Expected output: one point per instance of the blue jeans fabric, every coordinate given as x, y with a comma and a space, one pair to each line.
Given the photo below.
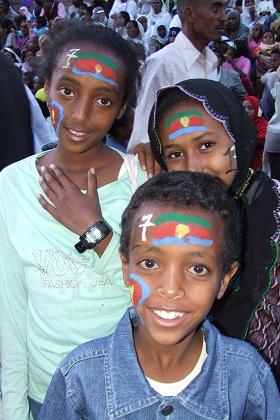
35, 408
102, 379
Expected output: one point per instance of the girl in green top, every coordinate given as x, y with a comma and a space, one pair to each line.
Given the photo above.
53, 295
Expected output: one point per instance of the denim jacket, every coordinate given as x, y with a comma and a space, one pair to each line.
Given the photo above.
102, 380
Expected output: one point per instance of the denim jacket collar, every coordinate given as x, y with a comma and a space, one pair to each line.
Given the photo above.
129, 391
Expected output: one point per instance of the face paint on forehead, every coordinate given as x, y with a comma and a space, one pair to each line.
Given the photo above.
139, 290
57, 114
177, 229
231, 153
93, 64
184, 123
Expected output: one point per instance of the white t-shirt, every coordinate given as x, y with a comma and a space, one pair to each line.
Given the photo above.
174, 388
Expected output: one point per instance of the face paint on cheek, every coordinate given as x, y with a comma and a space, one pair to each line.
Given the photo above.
95, 65
178, 229
139, 290
231, 153
184, 123
57, 114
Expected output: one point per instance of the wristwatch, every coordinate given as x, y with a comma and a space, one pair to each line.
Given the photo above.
93, 236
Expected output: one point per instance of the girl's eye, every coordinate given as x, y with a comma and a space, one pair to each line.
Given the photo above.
66, 91
198, 269
148, 264
175, 155
207, 145
104, 102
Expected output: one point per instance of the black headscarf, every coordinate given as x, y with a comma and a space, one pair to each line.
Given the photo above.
257, 198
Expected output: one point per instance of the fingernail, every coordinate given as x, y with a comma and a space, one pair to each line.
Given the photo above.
43, 168
52, 166
92, 171
41, 179
144, 167
150, 175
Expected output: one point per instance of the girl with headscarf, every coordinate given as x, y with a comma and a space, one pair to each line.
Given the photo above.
199, 125
23, 11
157, 13
159, 38
251, 105
135, 34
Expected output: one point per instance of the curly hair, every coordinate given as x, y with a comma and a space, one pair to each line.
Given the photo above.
183, 189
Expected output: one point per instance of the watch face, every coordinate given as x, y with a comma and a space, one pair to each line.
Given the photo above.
93, 235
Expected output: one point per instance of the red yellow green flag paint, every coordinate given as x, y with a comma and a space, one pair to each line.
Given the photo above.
180, 229
184, 123
96, 65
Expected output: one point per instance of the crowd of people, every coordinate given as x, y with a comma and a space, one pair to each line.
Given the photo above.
140, 209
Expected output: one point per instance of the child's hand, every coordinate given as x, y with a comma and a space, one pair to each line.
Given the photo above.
72, 208
146, 159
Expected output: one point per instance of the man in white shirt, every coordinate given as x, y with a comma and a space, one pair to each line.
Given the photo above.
186, 58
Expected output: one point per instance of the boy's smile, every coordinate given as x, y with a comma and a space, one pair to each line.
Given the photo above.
174, 272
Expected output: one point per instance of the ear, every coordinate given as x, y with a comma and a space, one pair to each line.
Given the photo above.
226, 279
125, 270
187, 14
121, 112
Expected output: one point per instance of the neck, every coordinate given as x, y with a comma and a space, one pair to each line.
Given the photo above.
198, 42
168, 363
71, 161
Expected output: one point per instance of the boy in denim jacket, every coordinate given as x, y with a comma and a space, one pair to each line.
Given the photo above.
166, 360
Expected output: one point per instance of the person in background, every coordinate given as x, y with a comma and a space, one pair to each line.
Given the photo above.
120, 22
172, 34
235, 29
274, 15
16, 140
271, 157
251, 105
188, 57
159, 38
230, 78
265, 9
54, 9
255, 38
6, 33
40, 26
99, 16
262, 53
147, 29
23, 11
29, 63
128, 6
37, 9
6, 11
158, 13
236, 58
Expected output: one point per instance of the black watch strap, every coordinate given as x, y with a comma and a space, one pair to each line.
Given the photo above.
93, 236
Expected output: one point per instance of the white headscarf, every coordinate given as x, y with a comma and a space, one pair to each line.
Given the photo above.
163, 16
161, 40
25, 12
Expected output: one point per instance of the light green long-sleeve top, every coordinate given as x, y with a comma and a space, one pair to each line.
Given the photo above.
51, 297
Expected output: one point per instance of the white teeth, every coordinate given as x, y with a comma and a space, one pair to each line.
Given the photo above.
76, 133
168, 314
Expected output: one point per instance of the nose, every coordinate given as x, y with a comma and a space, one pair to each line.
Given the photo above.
81, 110
170, 286
193, 163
